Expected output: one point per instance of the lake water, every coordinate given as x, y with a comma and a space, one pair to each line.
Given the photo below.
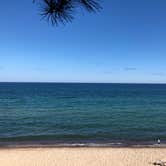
82, 114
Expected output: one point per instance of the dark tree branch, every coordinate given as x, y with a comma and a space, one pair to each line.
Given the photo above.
90, 5
61, 11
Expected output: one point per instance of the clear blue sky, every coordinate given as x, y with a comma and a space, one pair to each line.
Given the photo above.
125, 42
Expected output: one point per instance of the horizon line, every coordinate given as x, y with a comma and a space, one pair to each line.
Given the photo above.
75, 82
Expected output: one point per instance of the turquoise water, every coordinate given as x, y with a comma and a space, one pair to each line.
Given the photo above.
82, 113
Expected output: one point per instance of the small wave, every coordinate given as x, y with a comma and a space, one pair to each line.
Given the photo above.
52, 144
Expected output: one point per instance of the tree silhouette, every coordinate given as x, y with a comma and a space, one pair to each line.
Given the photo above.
61, 11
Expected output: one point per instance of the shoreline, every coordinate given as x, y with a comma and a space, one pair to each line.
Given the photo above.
21, 145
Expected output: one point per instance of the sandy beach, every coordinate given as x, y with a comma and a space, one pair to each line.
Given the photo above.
81, 156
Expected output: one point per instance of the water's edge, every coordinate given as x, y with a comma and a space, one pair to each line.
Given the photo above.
52, 144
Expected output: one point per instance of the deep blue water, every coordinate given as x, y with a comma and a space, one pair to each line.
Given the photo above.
82, 113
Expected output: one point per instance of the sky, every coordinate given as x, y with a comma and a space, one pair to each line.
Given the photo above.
125, 42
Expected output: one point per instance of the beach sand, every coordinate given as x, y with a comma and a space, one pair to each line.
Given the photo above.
81, 156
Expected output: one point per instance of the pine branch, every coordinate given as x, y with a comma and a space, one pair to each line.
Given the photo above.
62, 11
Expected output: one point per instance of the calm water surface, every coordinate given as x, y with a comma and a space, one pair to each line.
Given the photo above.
82, 113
